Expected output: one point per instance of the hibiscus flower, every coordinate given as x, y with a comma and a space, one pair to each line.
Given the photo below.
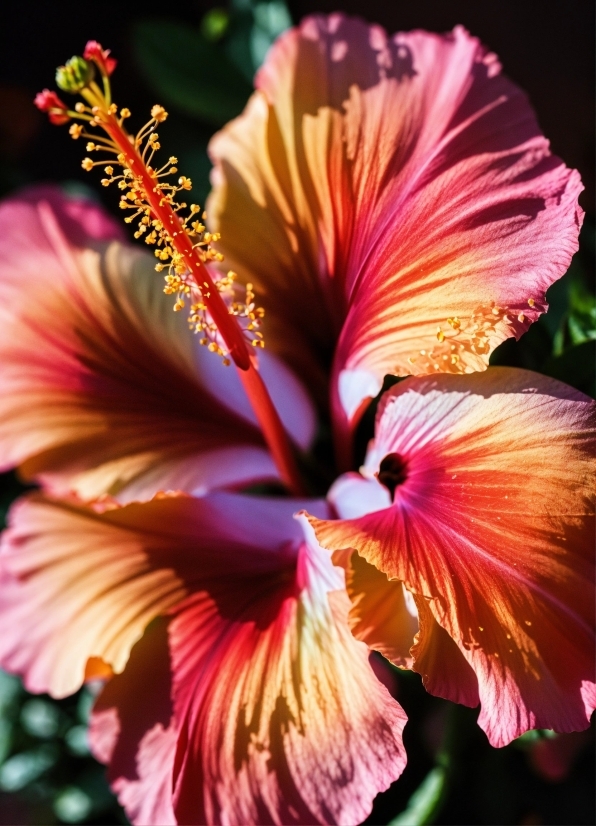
395, 209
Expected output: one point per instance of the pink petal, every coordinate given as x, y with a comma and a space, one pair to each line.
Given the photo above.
287, 392
100, 390
491, 529
133, 730
376, 187
277, 714
268, 670
79, 582
82, 221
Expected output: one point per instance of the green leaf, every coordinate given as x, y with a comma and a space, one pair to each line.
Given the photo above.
5, 738
271, 19
73, 805
77, 741
575, 366
425, 801
10, 689
190, 72
24, 768
215, 24
529, 738
40, 718
84, 705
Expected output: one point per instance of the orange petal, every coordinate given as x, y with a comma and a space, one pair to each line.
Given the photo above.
403, 629
376, 187
492, 523
96, 669
382, 614
445, 671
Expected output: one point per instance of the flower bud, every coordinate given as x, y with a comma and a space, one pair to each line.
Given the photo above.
48, 101
100, 56
75, 75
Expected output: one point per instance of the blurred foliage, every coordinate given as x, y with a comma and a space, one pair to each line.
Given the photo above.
204, 74
562, 344
207, 73
46, 773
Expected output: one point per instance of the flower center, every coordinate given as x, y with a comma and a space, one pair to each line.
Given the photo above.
393, 471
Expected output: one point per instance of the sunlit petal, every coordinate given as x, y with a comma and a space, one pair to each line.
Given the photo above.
393, 196
491, 527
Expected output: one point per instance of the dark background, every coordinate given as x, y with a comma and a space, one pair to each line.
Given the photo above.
548, 49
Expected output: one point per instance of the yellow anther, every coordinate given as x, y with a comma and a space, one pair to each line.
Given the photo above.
440, 335
521, 317
531, 302
144, 200
75, 131
158, 113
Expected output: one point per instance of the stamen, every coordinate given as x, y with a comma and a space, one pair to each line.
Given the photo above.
461, 341
226, 321
184, 245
